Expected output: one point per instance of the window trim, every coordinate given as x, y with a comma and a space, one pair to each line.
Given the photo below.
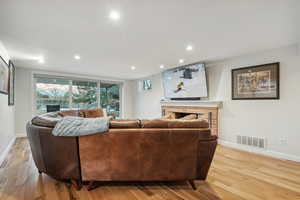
76, 78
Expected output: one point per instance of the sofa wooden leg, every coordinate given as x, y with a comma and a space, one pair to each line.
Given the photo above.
91, 186
191, 182
76, 184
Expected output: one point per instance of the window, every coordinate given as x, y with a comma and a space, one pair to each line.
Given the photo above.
51, 92
110, 98
76, 94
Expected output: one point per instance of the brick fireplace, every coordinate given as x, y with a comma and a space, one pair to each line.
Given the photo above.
208, 110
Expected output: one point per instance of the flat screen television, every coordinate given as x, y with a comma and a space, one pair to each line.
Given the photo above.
186, 82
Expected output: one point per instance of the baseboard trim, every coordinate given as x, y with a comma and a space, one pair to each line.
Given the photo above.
6, 150
20, 135
265, 152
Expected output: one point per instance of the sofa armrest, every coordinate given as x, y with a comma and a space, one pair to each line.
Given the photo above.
206, 151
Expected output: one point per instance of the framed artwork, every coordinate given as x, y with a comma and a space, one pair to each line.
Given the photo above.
256, 82
4, 76
11, 94
147, 84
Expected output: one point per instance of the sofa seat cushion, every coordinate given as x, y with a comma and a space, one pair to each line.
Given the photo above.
46, 120
124, 124
163, 123
93, 113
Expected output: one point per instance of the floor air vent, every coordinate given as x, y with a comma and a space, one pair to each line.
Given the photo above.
251, 141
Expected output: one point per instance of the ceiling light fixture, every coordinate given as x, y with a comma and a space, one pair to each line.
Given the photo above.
77, 57
114, 15
189, 48
133, 68
181, 61
161, 66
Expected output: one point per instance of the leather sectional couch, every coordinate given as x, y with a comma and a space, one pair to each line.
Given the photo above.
132, 150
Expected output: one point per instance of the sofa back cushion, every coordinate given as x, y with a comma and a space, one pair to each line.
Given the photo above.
93, 113
156, 123
124, 124
163, 123
197, 123
74, 113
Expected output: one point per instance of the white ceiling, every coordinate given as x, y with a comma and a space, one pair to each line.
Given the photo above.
149, 33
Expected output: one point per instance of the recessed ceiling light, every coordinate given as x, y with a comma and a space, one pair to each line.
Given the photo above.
181, 61
41, 60
77, 57
132, 67
161, 66
189, 48
114, 15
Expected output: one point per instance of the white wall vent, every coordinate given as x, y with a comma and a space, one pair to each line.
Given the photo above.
251, 141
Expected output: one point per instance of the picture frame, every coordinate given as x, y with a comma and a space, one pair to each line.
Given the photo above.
4, 76
259, 82
11, 94
147, 84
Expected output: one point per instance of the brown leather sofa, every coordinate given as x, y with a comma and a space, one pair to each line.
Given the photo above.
132, 150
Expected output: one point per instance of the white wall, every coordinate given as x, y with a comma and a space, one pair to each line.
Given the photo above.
24, 97
7, 130
147, 103
127, 98
273, 119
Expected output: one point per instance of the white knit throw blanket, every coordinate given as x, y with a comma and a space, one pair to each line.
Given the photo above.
78, 126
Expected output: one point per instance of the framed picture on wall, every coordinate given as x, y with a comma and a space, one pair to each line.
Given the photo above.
11, 94
4, 76
256, 82
147, 85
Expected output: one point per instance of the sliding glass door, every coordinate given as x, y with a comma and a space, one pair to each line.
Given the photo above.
110, 98
67, 94
84, 95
